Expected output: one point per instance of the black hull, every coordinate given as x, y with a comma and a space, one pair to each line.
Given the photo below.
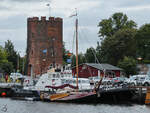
110, 97
116, 97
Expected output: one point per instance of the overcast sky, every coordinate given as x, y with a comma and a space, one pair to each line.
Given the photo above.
14, 14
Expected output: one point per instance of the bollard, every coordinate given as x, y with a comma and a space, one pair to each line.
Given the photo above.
147, 100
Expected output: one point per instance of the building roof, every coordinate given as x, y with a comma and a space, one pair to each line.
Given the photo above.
103, 66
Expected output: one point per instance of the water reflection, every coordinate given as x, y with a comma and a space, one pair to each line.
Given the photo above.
14, 106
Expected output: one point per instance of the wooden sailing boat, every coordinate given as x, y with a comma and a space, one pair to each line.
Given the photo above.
74, 96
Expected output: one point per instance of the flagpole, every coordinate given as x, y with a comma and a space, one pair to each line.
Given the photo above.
49, 8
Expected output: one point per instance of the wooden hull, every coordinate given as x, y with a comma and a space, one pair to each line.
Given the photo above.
78, 97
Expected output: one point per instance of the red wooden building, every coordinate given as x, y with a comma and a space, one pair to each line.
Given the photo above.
91, 70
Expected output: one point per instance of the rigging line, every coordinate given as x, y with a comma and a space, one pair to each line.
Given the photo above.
86, 60
73, 41
88, 68
92, 50
73, 44
84, 55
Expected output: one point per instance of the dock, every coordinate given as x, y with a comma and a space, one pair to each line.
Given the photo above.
105, 94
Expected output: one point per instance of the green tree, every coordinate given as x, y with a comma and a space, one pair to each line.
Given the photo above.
73, 59
90, 55
12, 54
129, 65
143, 42
5, 66
121, 44
3, 54
108, 27
81, 59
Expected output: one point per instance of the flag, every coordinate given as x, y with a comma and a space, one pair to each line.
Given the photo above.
45, 51
73, 15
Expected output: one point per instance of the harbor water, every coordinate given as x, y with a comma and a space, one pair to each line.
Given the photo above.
16, 106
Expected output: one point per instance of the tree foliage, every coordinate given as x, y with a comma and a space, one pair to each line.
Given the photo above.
108, 27
5, 66
143, 42
12, 54
129, 65
121, 44
81, 59
90, 55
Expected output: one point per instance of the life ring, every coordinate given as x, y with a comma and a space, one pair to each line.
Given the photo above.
3, 94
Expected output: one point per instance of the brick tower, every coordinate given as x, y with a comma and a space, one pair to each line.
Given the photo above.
44, 44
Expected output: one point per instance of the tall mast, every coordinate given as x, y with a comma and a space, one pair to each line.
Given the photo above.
77, 71
76, 25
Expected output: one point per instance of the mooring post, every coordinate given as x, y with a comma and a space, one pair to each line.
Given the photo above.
140, 95
147, 99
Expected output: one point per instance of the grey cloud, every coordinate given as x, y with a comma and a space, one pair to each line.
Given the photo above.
14, 22
29, 0
4, 8
87, 18
131, 3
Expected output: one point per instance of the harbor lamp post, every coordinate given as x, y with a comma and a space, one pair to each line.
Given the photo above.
49, 6
139, 59
18, 61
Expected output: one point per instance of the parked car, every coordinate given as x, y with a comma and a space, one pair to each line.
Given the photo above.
132, 80
15, 76
136, 80
119, 80
146, 81
94, 80
107, 81
140, 80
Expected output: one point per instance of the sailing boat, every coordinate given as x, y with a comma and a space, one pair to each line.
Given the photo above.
76, 96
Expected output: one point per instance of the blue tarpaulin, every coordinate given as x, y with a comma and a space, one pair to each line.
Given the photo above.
68, 60
45, 51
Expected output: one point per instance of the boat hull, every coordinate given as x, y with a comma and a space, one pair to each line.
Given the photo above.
78, 97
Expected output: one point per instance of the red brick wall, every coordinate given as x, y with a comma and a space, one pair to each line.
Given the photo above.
44, 34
